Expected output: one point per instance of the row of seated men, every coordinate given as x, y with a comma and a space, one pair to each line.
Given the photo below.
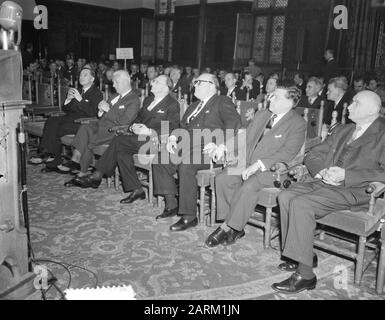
341, 167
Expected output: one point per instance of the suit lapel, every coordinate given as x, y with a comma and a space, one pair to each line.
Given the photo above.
203, 111
368, 135
255, 132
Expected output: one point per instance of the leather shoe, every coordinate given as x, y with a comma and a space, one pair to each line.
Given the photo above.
184, 224
134, 195
295, 284
216, 238
48, 169
88, 182
74, 182
167, 213
291, 266
232, 236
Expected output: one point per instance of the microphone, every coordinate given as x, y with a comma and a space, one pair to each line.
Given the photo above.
11, 15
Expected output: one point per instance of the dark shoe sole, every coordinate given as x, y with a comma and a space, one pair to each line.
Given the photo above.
293, 292
123, 201
184, 228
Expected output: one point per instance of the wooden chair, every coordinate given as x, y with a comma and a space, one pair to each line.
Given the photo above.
361, 224
357, 223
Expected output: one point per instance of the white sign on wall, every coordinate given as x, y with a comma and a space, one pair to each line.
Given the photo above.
124, 53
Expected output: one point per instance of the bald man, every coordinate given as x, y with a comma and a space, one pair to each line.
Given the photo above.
341, 169
158, 108
121, 109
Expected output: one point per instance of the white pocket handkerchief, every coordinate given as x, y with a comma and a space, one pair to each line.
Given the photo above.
208, 111
86, 100
160, 111
121, 107
278, 137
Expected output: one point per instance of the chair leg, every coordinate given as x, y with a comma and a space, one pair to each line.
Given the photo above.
381, 269
108, 182
116, 180
158, 201
150, 186
360, 260
202, 205
213, 208
266, 241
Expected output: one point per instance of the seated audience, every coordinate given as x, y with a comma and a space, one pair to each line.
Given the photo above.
232, 91
341, 169
359, 84
374, 85
299, 81
274, 135
77, 105
312, 101
157, 108
250, 86
338, 96
121, 109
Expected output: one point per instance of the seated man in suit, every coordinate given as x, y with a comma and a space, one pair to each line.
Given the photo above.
312, 101
211, 113
299, 81
250, 86
275, 135
232, 89
156, 108
77, 105
342, 168
338, 96
359, 84
177, 82
121, 109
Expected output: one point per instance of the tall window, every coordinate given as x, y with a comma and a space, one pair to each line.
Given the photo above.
269, 30
164, 13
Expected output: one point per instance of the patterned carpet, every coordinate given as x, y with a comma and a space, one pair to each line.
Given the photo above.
124, 244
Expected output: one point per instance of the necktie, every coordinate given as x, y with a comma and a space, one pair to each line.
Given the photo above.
195, 113
354, 135
268, 127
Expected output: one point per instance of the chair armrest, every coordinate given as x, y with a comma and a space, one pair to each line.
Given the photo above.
55, 114
86, 120
376, 189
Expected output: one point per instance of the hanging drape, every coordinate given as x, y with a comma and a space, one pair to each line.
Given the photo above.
357, 46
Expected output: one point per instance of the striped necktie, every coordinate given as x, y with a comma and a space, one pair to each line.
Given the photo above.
196, 112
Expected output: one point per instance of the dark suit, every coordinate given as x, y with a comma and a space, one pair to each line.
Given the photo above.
303, 203
312, 115
57, 127
302, 87
332, 70
183, 86
253, 93
122, 148
330, 107
218, 113
239, 94
123, 112
236, 199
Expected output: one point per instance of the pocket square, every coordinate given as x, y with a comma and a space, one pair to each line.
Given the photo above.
86, 100
121, 107
208, 111
160, 111
279, 136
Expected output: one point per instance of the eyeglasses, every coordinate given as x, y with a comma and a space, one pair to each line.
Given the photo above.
198, 82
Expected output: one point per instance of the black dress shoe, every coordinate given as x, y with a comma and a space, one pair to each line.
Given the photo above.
216, 238
295, 284
232, 236
88, 182
167, 213
291, 266
74, 182
137, 194
47, 169
184, 224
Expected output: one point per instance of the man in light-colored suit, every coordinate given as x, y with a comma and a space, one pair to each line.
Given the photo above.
274, 135
342, 168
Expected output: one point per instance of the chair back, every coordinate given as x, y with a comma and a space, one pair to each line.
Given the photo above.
183, 105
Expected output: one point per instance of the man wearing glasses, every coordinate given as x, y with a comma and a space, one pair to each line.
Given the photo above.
211, 112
